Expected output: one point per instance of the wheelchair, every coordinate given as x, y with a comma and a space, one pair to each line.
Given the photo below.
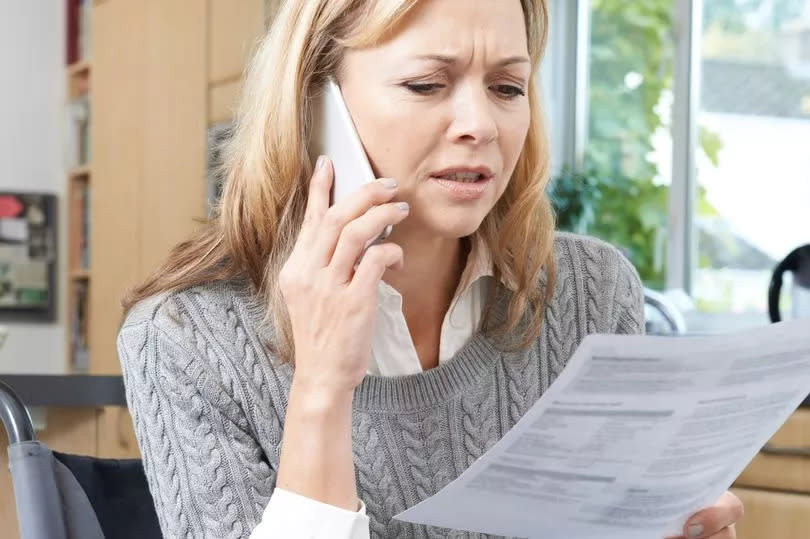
63, 496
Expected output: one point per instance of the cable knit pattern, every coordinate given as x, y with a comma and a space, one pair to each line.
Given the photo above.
208, 400
375, 480
560, 330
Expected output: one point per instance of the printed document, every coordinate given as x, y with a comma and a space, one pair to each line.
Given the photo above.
635, 435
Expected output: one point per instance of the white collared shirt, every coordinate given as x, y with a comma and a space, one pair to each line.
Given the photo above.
392, 350
392, 354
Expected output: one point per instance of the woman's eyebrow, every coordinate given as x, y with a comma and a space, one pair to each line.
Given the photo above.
513, 60
452, 59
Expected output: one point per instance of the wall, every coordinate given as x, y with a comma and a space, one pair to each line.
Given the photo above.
32, 93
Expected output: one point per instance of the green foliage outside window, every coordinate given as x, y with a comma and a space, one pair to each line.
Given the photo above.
615, 196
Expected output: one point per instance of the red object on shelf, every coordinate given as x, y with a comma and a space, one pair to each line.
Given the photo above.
10, 206
72, 34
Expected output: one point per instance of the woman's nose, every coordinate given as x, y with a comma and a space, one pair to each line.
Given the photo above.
473, 121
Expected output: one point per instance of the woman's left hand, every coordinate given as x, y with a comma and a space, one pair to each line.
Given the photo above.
715, 522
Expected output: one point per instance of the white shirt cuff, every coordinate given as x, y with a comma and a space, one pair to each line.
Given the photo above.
294, 516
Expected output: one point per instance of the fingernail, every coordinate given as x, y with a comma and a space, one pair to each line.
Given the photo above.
403, 206
695, 530
319, 163
389, 183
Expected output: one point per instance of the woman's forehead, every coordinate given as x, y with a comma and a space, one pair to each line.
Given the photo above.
462, 30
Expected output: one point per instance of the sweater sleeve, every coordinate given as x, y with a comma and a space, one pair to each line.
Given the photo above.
628, 301
207, 474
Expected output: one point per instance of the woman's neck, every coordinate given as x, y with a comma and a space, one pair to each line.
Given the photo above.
427, 283
433, 269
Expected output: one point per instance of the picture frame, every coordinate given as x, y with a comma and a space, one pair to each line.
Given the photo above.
28, 256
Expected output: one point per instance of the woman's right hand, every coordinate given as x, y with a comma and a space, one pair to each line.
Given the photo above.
331, 304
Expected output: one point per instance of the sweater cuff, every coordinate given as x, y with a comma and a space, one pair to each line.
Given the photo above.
291, 516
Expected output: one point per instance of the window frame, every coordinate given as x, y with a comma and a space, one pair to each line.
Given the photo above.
682, 242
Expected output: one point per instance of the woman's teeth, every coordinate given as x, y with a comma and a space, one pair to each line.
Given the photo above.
466, 177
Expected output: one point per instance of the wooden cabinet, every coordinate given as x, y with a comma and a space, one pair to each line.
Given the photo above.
773, 515
163, 70
789, 471
149, 149
234, 31
775, 488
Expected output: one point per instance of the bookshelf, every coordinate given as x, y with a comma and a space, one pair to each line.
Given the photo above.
145, 180
78, 74
79, 172
76, 68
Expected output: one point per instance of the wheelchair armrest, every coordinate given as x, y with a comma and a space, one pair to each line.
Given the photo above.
15, 416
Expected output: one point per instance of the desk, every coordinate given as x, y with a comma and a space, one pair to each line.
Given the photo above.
70, 390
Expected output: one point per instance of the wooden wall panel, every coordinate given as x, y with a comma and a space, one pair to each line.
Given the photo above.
174, 126
783, 472
234, 28
116, 438
773, 515
150, 109
149, 143
119, 66
222, 101
154, 62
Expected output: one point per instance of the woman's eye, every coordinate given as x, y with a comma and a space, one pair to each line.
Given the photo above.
508, 91
423, 88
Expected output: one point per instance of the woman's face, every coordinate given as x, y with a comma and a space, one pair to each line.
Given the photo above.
442, 107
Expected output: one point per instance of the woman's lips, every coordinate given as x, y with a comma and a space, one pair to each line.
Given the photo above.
461, 190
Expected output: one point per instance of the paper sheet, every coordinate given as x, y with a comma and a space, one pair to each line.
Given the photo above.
635, 435
14, 230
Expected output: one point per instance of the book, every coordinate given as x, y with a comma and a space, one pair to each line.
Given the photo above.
78, 33
79, 354
77, 142
80, 225
72, 31
84, 29
85, 230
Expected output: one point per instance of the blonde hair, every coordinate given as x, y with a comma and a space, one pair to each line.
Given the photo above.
266, 168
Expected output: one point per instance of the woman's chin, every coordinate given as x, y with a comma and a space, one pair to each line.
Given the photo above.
450, 226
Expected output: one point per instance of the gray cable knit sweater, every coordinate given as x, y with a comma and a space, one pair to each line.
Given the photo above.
208, 402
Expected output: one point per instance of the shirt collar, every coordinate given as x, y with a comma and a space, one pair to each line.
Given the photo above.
479, 264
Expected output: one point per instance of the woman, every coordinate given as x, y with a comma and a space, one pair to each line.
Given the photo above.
276, 386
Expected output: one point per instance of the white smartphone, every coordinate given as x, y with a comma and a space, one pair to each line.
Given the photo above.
335, 136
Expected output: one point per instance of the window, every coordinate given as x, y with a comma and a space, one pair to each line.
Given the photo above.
755, 78
709, 120
627, 155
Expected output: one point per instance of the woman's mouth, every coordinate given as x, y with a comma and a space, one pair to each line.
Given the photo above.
464, 185
466, 177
